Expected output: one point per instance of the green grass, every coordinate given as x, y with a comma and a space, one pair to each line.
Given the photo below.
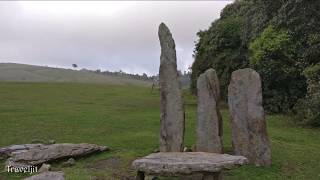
126, 118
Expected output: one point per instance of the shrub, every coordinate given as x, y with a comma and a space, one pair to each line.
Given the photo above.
308, 108
273, 56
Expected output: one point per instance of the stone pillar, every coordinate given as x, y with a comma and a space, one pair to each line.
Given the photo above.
172, 110
209, 125
249, 131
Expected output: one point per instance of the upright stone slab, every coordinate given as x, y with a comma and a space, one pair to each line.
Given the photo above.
249, 131
172, 111
209, 127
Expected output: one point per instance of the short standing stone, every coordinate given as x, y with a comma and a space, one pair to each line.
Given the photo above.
249, 131
172, 111
209, 127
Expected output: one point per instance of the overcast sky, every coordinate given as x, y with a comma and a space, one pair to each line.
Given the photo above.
102, 34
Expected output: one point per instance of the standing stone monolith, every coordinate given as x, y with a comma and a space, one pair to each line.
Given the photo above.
209, 125
249, 131
172, 110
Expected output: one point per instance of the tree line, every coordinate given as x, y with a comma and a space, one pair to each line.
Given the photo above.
184, 76
280, 40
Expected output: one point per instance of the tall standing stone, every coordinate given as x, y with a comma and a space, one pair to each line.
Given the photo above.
249, 131
172, 111
209, 127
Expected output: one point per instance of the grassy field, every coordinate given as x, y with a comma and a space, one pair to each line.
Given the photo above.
11, 72
126, 118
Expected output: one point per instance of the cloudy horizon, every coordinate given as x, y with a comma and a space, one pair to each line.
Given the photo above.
104, 35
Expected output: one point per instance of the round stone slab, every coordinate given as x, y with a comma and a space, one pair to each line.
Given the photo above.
187, 163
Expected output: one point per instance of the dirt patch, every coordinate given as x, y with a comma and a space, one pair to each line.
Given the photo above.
115, 168
122, 176
289, 168
110, 163
113, 178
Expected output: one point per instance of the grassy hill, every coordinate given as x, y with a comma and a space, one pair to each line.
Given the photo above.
30, 73
126, 118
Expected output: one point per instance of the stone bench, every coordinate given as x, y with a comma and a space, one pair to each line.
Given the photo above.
188, 163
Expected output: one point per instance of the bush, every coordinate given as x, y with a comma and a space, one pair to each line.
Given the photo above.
273, 56
308, 108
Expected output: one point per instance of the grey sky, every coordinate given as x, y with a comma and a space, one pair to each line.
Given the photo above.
102, 34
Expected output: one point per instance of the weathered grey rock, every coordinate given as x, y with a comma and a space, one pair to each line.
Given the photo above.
69, 163
188, 163
44, 168
46, 153
172, 110
47, 176
9, 151
249, 131
209, 125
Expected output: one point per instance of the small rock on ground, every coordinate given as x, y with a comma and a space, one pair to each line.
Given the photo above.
44, 168
69, 163
51, 141
47, 176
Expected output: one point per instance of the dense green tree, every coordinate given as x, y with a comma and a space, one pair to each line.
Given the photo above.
280, 39
273, 56
224, 46
220, 48
302, 20
307, 109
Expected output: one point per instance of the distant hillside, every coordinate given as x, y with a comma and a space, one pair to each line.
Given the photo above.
30, 73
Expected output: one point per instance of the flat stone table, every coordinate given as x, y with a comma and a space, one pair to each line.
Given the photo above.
187, 163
